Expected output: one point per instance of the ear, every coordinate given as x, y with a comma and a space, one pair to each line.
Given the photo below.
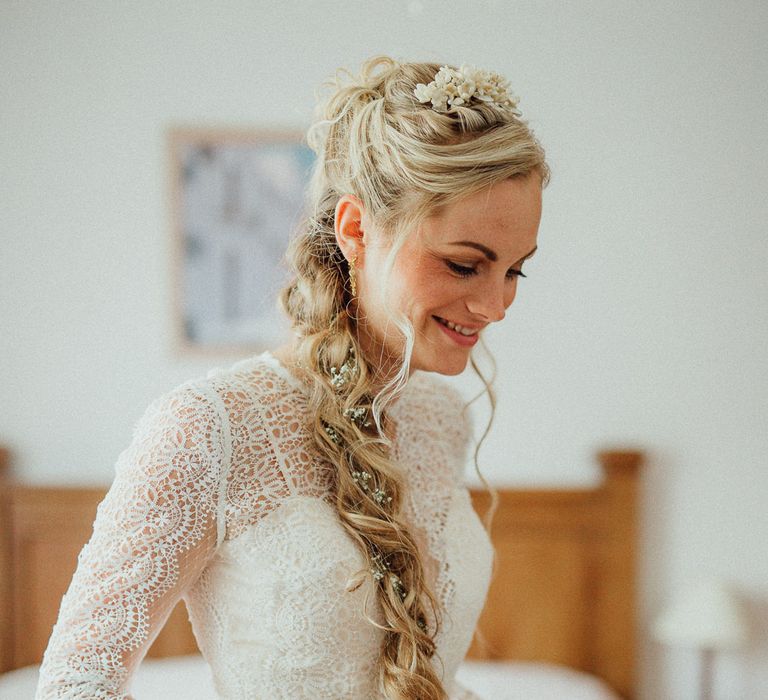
349, 228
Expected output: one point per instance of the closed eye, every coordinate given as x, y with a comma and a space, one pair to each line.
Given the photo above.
464, 271
461, 269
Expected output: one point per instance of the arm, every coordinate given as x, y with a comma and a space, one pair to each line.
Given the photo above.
153, 534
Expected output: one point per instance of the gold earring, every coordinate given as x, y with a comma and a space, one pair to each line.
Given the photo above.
352, 280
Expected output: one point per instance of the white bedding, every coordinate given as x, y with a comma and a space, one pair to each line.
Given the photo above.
524, 680
189, 677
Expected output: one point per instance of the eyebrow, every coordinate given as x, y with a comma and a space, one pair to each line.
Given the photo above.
490, 254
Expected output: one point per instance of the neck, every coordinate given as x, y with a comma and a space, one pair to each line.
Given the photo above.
382, 363
383, 359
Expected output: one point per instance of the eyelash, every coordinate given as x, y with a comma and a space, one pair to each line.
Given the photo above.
469, 271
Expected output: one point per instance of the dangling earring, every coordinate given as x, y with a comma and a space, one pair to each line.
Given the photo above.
352, 280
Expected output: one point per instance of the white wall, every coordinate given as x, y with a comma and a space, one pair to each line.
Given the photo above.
643, 320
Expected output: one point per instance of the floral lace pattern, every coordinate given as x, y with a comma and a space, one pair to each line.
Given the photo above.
221, 500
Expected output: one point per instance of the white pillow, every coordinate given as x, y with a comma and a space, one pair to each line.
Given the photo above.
516, 680
187, 677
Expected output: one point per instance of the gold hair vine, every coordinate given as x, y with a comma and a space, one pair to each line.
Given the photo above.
378, 495
341, 375
380, 570
358, 415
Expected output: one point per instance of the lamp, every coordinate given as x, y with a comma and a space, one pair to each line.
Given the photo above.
706, 616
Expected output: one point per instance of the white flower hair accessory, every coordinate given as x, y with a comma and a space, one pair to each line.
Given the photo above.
452, 88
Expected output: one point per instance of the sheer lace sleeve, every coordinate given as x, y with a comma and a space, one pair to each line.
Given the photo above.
154, 532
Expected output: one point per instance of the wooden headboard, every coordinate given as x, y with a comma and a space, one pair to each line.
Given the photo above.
563, 589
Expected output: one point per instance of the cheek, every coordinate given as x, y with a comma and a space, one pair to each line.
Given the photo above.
423, 288
439, 296
413, 285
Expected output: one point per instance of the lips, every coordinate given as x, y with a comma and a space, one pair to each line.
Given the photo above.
458, 338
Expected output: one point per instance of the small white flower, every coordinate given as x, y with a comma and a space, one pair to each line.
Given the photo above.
423, 93
440, 102
454, 88
466, 90
444, 75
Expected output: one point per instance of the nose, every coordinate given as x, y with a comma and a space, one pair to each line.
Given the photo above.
492, 300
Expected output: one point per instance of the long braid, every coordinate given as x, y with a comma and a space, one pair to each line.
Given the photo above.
368, 487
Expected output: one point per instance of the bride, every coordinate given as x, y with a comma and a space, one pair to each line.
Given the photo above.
307, 503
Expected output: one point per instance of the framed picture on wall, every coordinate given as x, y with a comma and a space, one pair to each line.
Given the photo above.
237, 198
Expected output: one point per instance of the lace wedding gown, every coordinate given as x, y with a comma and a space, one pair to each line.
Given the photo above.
221, 499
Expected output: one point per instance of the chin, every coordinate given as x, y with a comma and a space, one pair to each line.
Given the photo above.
453, 371
448, 366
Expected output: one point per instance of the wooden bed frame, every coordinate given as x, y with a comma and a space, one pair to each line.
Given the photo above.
563, 590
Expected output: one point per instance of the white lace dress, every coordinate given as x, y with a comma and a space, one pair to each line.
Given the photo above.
221, 500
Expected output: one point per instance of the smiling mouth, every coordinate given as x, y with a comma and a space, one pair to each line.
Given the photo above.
468, 332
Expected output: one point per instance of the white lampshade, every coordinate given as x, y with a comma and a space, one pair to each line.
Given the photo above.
706, 615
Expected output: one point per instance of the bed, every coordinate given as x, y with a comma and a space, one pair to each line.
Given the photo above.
559, 619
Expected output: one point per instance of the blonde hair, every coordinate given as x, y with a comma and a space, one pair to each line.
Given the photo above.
403, 160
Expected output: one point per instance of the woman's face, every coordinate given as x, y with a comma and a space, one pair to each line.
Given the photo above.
461, 268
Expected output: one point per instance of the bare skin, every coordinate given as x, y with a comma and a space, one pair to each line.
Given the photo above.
462, 266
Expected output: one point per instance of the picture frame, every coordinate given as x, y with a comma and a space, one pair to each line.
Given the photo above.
237, 197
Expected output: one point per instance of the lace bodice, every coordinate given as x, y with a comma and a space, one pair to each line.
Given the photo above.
221, 499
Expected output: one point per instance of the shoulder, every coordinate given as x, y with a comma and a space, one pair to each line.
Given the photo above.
440, 408
433, 389
190, 431
226, 387
432, 381
207, 405
259, 378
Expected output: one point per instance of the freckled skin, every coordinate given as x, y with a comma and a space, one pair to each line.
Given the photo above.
504, 218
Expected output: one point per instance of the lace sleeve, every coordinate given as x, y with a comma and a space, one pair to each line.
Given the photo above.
154, 532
